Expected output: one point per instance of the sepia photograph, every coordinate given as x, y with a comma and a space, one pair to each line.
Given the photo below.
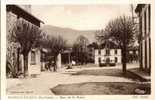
78, 49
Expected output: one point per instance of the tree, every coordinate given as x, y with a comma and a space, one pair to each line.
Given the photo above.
80, 49
103, 39
27, 35
55, 45
121, 30
101, 36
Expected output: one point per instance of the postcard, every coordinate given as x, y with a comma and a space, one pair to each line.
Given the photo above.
83, 50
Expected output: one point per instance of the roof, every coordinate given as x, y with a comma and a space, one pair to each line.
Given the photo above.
139, 7
109, 44
93, 45
66, 51
23, 13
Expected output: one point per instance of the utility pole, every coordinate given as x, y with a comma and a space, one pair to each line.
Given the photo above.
132, 12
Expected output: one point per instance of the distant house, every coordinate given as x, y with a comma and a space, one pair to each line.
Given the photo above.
91, 52
144, 14
14, 12
107, 56
108, 53
133, 54
67, 56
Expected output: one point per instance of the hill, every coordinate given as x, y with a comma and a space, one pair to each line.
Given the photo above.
69, 34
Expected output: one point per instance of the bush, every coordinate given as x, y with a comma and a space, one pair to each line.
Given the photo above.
11, 71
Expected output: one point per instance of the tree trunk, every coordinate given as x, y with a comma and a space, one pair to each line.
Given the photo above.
55, 65
140, 57
124, 60
25, 65
18, 67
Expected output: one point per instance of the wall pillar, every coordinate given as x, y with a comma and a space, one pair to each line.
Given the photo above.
58, 61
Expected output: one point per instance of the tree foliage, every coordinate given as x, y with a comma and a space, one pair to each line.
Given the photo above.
26, 34
101, 36
121, 30
80, 49
55, 45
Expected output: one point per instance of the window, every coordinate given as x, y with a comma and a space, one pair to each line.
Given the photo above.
116, 52
99, 51
107, 52
145, 23
99, 60
116, 59
33, 57
108, 60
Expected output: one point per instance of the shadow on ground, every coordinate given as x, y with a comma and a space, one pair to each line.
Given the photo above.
100, 72
100, 88
108, 72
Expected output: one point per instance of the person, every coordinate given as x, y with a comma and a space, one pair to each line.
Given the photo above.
73, 62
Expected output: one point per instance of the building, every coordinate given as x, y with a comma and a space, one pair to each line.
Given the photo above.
133, 54
108, 52
15, 12
108, 56
91, 52
144, 14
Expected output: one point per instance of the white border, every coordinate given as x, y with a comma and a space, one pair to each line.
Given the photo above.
80, 2
75, 1
3, 50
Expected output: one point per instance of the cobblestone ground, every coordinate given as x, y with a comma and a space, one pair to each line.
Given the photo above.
42, 84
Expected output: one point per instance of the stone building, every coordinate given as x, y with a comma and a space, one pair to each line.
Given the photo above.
144, 14
14, 58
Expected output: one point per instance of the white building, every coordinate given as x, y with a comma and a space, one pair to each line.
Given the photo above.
108, 56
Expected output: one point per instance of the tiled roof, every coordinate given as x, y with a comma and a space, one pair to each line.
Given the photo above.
22, 13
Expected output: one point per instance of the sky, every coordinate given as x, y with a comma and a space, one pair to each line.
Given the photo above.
80, 17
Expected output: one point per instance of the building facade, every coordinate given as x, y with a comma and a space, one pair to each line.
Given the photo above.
144, 14
133, 55
108, 56
14, 57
